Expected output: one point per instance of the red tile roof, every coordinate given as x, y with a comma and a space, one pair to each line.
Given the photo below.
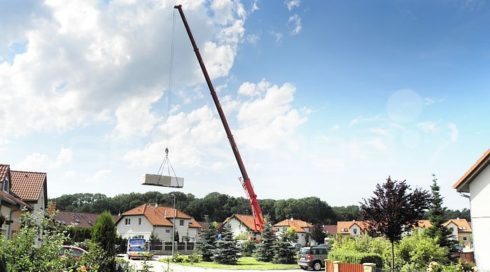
160, 216
462, 224
474, 170
344, 226
28, 185
84, 220
296, 224
13, 200
247, 220
330, 229
4, 169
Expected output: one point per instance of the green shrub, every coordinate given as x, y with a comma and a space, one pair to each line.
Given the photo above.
177, 258
354, 257
194, 258
247, 248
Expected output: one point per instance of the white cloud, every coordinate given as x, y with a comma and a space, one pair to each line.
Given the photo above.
454, 132
277, 36
295, 24
266, 121
83, 60
428, 126
43, 162
252, 38
134, 116
269, 118
100, 176
292, 4
255, 6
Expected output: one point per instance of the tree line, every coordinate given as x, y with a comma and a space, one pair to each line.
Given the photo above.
219, 206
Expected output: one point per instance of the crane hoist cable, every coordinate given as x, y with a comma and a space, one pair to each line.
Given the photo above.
166, 166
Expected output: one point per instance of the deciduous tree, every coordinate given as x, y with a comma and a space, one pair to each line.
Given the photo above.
394, 209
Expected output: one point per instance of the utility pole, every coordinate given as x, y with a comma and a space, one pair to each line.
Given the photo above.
173, 228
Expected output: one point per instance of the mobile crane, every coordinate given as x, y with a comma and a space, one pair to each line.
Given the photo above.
245, 180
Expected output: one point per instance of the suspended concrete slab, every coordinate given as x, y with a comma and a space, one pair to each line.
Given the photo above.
163, 181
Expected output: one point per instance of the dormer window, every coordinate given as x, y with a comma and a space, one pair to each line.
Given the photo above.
6, 184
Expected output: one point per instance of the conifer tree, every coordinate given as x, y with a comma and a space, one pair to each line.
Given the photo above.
436, 217
104, 234
265, 250
208, 243
226, 249
283, 252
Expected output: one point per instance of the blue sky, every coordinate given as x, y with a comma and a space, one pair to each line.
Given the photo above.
325, 98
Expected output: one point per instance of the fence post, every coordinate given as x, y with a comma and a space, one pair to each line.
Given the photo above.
369, 267
336, 265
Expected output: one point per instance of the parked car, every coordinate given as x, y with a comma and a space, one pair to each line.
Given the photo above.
312, 257
72, 251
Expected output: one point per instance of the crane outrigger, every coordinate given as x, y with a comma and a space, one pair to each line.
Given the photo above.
246, 183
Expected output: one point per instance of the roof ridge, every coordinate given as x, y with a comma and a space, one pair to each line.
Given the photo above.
31, 172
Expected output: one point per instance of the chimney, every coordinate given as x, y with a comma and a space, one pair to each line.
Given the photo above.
52, 207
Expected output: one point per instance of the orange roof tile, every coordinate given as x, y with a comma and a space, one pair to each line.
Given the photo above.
474, 170
4, 169
344, 226
28, 185
296, 224
247, 220
160, 215
424, 224
462, 224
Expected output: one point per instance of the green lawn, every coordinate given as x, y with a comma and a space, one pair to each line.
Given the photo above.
244, 263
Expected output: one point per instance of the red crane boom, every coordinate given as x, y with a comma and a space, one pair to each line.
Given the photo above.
246, 183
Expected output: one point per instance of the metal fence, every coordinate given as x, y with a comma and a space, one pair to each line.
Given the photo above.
165, 248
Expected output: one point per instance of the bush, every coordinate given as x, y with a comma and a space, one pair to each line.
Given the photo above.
177, 258
354, 257
194, 258
247, 248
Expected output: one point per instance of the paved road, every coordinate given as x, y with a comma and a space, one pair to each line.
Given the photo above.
162, 267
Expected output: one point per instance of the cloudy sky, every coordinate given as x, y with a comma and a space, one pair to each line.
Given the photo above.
325, 98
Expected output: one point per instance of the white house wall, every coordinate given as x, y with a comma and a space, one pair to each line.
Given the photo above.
480, 218
134, 228
236, 227
163, 233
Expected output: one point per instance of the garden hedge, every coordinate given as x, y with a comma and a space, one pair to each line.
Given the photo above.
354, 257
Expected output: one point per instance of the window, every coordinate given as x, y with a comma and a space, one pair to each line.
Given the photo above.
139, 221
6, 185
127, 221
181, 222
354, 231
167, 231
464, 238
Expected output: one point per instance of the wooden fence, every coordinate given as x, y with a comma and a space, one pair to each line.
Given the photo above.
344, 267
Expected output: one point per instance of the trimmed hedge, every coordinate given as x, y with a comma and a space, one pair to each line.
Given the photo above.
354, 257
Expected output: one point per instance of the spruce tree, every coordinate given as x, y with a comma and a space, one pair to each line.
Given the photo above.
226, 249
283, 252
208, 243
265, 250
436, 217
104, 234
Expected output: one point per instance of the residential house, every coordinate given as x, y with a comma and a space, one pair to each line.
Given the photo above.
352, 228
330, 229
32, 188
460, 228
462, 231
475, 184
83, 220
11, 205
241, 224
301, 228
148, 219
